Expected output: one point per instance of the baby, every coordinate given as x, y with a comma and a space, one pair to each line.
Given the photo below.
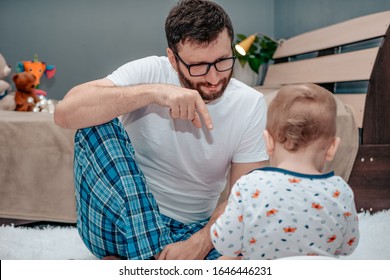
292, 208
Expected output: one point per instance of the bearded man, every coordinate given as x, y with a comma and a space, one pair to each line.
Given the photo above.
147, 185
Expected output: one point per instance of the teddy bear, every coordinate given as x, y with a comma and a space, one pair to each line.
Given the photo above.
25, 96
7, 98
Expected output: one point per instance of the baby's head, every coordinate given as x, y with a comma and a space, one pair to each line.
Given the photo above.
300, 115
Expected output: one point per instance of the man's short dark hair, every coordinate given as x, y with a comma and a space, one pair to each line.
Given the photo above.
196, 21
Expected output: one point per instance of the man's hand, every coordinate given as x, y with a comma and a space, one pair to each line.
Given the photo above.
184, 104
196, 247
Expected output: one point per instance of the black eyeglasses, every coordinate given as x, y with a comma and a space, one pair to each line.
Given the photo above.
201, 69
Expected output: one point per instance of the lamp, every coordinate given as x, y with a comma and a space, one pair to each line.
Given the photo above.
243, 47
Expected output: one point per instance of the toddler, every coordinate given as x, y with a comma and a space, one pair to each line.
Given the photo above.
292, 208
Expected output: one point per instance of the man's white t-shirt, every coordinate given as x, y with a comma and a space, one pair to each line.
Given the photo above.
186, 168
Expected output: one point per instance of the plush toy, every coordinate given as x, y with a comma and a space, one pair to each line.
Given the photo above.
25, 96
38, 68
7, 98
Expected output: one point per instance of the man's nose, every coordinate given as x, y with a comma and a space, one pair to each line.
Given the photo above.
212, 76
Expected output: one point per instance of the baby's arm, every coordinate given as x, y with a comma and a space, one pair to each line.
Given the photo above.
351, 237
227, 231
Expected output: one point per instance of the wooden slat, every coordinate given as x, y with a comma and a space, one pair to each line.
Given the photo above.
357, 102
354, 30
351, 66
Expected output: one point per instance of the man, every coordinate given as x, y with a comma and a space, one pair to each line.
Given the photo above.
190, 126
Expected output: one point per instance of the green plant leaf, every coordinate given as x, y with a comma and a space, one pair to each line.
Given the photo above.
241, 37
254, 63
243, 60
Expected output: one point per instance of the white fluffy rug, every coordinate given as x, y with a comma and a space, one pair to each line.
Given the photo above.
59, 243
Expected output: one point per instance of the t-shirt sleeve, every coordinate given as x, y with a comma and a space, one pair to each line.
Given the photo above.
144, 70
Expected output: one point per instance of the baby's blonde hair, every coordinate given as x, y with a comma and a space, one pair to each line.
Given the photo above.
301, 114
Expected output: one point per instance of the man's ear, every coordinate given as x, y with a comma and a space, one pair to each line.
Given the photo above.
331, 152
269, 142
172, 58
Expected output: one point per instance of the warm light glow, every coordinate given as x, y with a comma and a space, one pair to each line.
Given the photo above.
240, 50
243, 47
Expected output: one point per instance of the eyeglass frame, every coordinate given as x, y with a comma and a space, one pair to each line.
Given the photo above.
188, 66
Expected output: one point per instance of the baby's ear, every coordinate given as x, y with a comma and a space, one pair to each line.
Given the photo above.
269, 142
331, 152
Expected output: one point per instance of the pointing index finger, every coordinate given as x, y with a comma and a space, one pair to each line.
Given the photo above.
204, 112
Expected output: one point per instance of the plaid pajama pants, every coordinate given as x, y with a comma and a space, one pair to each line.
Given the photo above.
116, 213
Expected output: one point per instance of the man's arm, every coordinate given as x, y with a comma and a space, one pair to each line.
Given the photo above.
100, 101
96, 102
199, 245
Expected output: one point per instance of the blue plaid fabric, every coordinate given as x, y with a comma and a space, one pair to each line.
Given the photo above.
116, 214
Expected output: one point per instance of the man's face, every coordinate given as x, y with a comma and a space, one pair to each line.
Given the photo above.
212, 85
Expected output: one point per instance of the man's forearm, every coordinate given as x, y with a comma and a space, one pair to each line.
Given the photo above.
205, 232
90, 104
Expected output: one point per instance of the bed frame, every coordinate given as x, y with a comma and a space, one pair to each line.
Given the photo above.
351, 59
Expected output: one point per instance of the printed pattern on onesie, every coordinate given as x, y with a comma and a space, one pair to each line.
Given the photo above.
274, 213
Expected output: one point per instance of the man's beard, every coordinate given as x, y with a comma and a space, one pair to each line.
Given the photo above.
207, 97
